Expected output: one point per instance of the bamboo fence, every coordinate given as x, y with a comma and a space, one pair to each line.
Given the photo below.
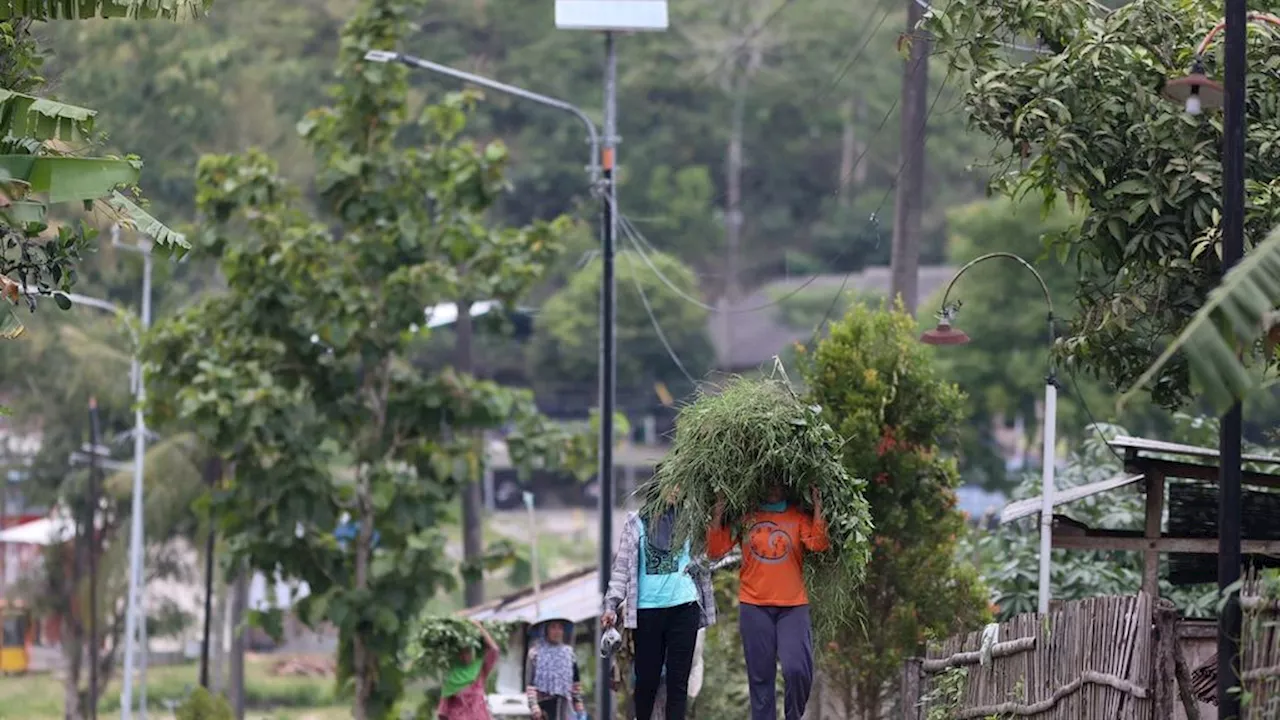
1092, 659
1260, 651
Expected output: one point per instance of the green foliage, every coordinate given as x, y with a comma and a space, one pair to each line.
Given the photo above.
1243, 309
303, 356
1087, 121
202, 705
736, 442
40, 168
566, 343
879, 387
438, 641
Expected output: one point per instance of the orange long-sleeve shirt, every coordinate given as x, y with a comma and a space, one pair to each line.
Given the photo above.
773, 547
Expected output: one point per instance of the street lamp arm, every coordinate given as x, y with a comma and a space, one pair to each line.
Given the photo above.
990, 256
593, 135
93, 302
1253, 17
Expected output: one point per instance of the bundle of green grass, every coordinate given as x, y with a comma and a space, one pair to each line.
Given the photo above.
741, 439
439, 640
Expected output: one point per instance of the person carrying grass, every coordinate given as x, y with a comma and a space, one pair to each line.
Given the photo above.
667, 598
462, 696
774, 607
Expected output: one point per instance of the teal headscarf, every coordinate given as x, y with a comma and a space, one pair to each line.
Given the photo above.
461, 676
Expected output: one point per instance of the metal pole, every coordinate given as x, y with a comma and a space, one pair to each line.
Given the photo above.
1229, 477
604, 694
142, 659
132, 620
1046, 492
212, 471
94, 435
533, 555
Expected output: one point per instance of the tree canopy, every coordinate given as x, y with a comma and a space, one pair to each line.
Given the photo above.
1085, 120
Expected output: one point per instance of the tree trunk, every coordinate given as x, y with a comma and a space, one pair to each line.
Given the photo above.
218, 640
906, 213
239, 603
853, 173
473, 493
361, 659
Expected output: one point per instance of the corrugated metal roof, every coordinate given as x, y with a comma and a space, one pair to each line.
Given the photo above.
1031, 506
574, 597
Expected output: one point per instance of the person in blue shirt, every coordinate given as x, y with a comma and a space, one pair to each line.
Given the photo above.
668, 599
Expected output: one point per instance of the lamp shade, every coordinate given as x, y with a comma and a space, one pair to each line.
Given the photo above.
1194, 92
944, 334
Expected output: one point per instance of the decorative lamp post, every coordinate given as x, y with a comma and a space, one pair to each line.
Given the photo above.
946, 334
1196, 92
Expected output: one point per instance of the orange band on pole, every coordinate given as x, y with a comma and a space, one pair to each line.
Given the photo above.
606, 158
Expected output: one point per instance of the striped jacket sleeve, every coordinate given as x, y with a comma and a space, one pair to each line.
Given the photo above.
620, 577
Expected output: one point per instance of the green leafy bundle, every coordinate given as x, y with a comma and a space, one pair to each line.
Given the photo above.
739, 440
438, 640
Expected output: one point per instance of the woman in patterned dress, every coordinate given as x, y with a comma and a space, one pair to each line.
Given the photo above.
553, 679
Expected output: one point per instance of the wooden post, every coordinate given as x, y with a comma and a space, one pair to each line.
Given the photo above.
1155, 512
1166, 617
911, 672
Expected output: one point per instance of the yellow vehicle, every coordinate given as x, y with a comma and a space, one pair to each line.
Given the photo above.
15, 640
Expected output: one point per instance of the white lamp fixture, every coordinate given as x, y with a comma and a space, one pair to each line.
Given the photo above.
612, 15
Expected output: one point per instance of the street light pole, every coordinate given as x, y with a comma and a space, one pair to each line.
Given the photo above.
601, 169
133, 601
134, 611
945, 334
608, 384
1229, 478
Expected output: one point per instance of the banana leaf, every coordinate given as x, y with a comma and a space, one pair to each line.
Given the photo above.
1240, 310
86, 9
27, 116
135, 217
68, 179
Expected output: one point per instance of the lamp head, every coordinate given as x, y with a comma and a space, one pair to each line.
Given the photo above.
1196, 91
944, 333
381, 56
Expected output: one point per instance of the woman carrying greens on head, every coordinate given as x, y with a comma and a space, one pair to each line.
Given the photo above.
462, 697
665, 597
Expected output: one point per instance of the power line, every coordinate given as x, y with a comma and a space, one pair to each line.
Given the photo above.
653, 320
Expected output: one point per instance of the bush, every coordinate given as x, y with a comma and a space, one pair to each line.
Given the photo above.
203, 705
878, 386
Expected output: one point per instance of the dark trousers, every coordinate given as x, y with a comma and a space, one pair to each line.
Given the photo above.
773, 635
665, 636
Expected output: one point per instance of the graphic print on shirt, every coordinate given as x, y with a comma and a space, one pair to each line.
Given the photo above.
769, 542
659, 561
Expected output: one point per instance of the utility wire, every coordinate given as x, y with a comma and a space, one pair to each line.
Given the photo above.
924, 124
653, 319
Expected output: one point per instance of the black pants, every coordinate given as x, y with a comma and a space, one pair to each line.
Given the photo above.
665, 636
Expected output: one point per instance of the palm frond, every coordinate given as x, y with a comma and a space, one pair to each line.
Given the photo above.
87, 9
128, 214
27, 116
1242, 308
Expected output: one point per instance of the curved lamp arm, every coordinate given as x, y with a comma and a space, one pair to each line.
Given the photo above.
1018, 259
1253, 17
990, 256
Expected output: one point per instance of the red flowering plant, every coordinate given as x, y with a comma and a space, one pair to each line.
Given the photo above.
874, 379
